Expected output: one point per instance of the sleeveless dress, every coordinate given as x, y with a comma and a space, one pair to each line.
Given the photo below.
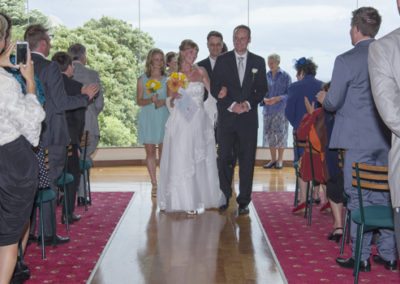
151, 121
188, 170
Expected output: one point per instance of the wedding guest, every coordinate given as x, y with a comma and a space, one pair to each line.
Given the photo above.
224, 48
188, 170
87, 77
171, 62
359, 130
21, 117
76, 124
275, 131
237, 114
151, 95
385, 84
55, 136
306, 86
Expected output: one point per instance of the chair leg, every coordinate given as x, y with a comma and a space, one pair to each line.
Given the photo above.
309, 217
307, 200
349, 225
41, 227
356, 271
89, 189
66, 200
296, 190
346, 230
53, 222
84, 174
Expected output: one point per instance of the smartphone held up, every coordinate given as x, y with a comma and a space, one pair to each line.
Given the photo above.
21, 54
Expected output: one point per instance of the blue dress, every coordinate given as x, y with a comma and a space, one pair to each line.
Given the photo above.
151, 121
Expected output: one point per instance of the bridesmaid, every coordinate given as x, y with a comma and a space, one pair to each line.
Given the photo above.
151, 95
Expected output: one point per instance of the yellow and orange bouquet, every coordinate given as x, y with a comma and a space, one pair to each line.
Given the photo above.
177, 80
152, 86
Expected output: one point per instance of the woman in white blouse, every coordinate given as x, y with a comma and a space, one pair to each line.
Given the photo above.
20, 125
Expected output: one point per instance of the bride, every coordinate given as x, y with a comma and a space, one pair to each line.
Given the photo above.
188, 169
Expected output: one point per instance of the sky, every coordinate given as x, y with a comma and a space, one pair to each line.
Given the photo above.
291, 28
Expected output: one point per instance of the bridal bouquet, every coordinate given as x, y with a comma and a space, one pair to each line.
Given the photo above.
177, 80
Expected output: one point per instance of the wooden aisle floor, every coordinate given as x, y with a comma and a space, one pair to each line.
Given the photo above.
149, 246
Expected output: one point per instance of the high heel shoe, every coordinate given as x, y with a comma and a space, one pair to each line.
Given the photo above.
325, 207
300, 208
335, 237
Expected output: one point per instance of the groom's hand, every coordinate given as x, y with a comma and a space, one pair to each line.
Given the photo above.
237, 108
222, 93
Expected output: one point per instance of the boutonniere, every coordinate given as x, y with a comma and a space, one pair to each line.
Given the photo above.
254, 71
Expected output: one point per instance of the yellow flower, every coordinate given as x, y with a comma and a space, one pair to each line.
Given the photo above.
152, 86
177, 80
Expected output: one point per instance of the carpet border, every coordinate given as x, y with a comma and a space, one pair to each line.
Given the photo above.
90, 279
269, 245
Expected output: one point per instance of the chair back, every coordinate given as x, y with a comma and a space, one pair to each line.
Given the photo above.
83, 145
369, 177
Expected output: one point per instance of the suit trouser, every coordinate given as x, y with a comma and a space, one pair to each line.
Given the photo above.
386, 242
90, 149
243, 141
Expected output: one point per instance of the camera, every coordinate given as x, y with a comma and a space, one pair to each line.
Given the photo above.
22, 52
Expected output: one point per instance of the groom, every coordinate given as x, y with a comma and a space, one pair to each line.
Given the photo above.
239, 76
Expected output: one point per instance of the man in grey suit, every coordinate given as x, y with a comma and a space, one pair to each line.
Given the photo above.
358, 130
55, 136
85, 75
384, 70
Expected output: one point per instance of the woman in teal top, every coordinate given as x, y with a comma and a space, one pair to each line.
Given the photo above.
151, 95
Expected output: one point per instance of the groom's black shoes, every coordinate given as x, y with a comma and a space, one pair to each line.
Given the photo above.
225, 206
243, 210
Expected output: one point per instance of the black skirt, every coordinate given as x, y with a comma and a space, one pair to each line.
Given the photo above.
18, 184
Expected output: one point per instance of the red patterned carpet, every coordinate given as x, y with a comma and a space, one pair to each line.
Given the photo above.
304, 253
73, 262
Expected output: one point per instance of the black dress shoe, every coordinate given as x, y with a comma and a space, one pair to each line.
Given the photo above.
225, 206
365, 265
389, 265
71, 219
75, 218
243, 210
48, 240
82, 202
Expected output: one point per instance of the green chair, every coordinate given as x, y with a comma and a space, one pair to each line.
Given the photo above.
85, 165
368, 218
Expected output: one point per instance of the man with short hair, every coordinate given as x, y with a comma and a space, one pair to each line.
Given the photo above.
358, 130
238, 83
55, 136
76, 123
384, 70
85, 76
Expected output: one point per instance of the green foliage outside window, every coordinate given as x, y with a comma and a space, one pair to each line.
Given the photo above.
114, 49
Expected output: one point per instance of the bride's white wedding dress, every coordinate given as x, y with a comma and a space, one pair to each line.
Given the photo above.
188, 169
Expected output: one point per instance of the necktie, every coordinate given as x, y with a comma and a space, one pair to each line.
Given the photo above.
241, 69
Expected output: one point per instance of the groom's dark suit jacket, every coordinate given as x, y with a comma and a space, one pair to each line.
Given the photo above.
253, 90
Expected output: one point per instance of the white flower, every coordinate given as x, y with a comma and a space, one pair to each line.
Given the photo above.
254, 70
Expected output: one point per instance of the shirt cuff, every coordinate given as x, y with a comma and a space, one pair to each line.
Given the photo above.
230, 109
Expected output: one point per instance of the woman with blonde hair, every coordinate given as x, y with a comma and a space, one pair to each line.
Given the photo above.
151, 95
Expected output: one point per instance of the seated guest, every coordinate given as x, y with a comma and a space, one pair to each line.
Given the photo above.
21, 117
76, 123
306, 86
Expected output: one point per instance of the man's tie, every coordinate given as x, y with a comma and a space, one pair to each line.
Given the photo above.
241, 69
